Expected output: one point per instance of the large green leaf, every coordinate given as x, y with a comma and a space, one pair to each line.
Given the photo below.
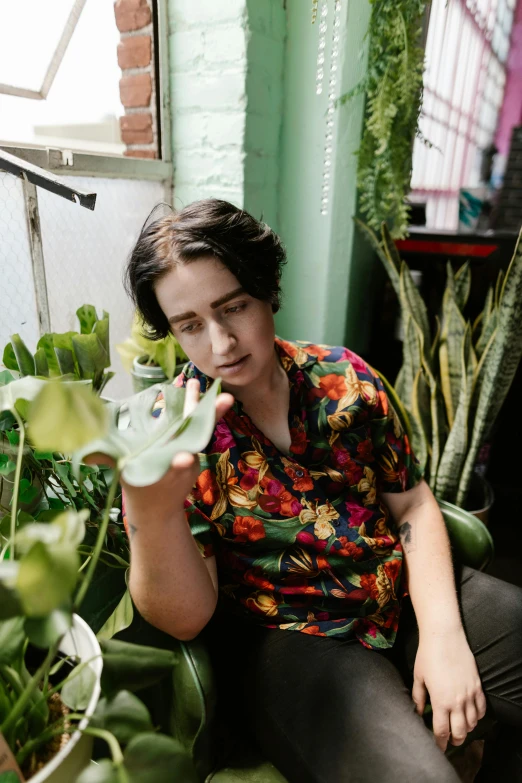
120, 619
91, 355
101, 329
77, 689
450, 352
144, 446
499, 366
124, 716
43, 632
413, 303
488, 327
24, 357
41, 364
155, 758
9, 358
463, 285
65, 416
22, 389
132, 667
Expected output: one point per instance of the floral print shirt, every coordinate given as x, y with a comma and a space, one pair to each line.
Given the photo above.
302, 540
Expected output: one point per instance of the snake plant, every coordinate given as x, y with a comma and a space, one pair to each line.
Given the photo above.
455, 376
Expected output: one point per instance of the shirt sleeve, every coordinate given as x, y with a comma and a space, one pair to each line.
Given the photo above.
396, 467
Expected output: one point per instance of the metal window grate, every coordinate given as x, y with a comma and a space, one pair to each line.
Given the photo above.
466, 51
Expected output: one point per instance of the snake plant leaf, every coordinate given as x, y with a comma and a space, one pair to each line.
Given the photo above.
396, 402
412, 302
40, 363
453, 456
421, 407
390, 248
24, 357
399, 383
450, 352
462, 285
436, 340
144, 446
388, 262
419, 443
65, 416
499, 366
436, 424
87, 317
499, 286
488, 327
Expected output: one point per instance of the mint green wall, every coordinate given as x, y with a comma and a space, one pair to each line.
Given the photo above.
247, 126
320, 301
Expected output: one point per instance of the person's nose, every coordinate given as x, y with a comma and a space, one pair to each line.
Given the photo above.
222, 340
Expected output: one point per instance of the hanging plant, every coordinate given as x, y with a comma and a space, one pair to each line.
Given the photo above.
393, 87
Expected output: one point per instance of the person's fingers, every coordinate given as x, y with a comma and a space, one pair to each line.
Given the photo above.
418, 695
223, 404
191, 396
99, 459
481, 704
459, 728
470, 711
441, 727
183, 460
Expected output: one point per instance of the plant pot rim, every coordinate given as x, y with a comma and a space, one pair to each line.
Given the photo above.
142, 370
489, 497
78, 630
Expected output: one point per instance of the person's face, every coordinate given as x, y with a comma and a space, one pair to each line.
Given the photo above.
223, 330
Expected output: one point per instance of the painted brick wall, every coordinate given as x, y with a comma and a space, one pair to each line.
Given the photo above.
226, 88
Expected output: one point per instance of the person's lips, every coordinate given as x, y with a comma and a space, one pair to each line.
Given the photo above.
230, 368
231, 364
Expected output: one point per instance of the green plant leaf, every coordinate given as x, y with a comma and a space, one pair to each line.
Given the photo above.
40, 363
65, 359
120, 619
144, 446
12, 638
9, 358
46, 343
46, 578
27, 493
87, 317
91, 355
24, 357
10, 605
7, 466
103, 771
131, 667
155, 758
124, 716
385, 253
65, 416
43, 632
22, 389
462, 281
450, 353
78, 687
101, 329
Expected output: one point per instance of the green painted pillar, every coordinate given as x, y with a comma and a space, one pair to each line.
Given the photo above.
324, 280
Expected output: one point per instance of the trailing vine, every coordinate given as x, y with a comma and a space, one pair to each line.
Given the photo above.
393, 87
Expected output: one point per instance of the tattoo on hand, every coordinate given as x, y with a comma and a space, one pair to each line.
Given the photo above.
407, 537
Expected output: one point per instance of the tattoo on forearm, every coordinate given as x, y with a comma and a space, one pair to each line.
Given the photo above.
407, 537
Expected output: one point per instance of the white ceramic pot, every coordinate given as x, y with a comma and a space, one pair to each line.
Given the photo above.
76, 754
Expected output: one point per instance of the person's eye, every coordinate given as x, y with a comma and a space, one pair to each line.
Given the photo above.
236, 308
188, 328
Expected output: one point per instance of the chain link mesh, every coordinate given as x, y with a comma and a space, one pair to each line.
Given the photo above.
84, 256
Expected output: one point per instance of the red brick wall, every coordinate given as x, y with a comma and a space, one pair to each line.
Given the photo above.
137, 84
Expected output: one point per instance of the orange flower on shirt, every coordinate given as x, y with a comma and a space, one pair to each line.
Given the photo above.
207, 488
229, 492
334, 386
248, 529
263, 603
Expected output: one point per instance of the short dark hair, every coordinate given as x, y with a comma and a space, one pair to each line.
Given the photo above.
211, 227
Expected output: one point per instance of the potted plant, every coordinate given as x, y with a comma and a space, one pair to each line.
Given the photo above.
41, 589
455, 376
150, 361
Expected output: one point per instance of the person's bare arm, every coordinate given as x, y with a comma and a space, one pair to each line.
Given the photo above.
172, 585
444, 666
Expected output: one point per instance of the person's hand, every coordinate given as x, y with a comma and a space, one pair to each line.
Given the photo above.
445, 668
171, 490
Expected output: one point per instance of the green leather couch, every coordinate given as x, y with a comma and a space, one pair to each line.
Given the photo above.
189, 711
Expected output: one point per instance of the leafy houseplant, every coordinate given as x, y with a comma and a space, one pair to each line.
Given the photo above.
150, 361
393, 87
454, 379
41, 586
79, 356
